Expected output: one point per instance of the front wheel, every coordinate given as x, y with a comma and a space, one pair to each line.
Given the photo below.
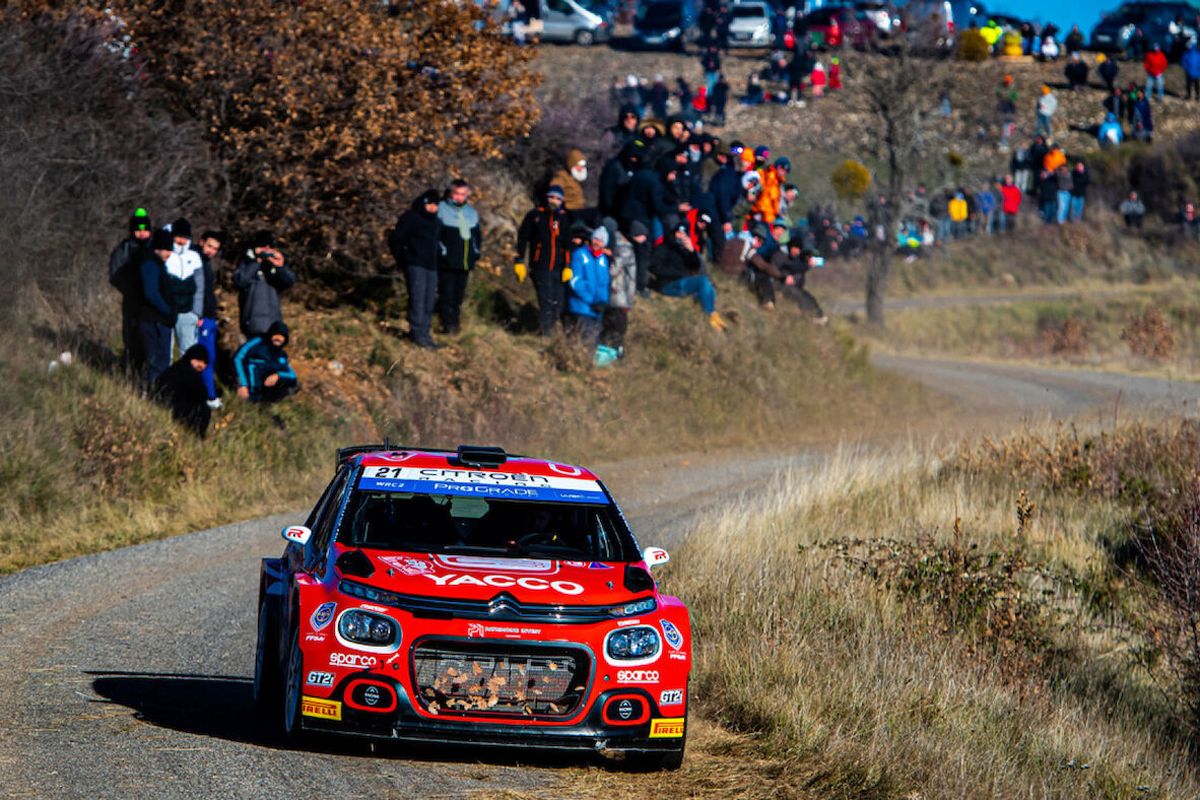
292, 685
668, 761
266, 663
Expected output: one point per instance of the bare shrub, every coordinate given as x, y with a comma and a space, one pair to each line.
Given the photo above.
1068, 337
1149, 336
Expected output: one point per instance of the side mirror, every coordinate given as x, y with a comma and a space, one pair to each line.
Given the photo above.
297, 534
655, 556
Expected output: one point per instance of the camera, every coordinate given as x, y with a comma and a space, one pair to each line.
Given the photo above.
818, 261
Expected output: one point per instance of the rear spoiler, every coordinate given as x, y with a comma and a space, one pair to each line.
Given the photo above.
467, 455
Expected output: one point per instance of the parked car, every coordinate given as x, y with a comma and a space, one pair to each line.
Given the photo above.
1112, 33
666, 23
884, 15
576, 21
472, 597
934, 23
835, 26
750, 24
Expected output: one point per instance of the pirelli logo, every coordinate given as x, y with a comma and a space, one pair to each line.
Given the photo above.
666, 728
322, 709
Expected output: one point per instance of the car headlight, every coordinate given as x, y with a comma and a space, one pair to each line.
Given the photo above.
633, 643
365, 627
671, 34
369, 593
636, 608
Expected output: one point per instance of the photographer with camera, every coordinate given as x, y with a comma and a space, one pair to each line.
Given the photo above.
260, 277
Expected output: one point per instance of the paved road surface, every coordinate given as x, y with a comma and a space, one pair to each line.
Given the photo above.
126, 674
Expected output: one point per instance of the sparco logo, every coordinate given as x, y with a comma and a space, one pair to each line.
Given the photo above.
637, 676
351, 660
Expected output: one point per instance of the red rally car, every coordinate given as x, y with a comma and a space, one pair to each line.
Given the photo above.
477, 597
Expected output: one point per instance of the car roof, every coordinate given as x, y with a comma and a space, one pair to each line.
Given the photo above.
447, 459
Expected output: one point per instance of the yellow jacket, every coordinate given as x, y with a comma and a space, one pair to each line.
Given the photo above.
958, 210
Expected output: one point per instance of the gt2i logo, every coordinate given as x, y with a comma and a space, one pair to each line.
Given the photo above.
319, 678
670, 697
637, 676
322, 615
671, 635
352, 660
506, 582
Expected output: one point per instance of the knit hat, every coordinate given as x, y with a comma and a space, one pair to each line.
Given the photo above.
762, 153
182, 228
262, 239
554, 190
196, 352
162, 239
429, 196
600, 235
785, 162
139, 220
637, 228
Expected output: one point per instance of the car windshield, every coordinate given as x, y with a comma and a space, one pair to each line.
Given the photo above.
749, 12
446, 523
660, 15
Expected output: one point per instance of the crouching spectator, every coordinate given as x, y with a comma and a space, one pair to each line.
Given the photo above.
1133, 210
676, 269
263, 371
181, 387
587, 295
794, 262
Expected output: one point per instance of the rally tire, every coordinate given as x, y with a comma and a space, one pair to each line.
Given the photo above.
293, 687
266, 686
668, 761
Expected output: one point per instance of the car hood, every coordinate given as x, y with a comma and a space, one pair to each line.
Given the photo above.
747, 24
529, 580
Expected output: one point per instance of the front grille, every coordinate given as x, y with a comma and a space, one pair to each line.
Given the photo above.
455, 678
502, 607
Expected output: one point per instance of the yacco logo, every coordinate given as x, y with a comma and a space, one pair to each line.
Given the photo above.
670, 697
672, 635
506, 582
479, 564
637, 676
322, 615
352, 660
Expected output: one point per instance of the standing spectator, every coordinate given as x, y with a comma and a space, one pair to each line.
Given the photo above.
678, 273
659, 95
622, 292
181, 387
1074, 41
1010, 204
1022, 168
615, 177
1108, 69
1115, 104
1110, 133
1155, 65
1076, 72
958, 210
461, 245
818, 79
186, 266
724, 18
587, 290
1191, 70
1047, 105
986, 199
798, 70
1080, 178
264, 374
415, 246
1047, 188
210, 248
542, 244
1189, 220
835, 74
156, 315
1062, 176
123, 265
1006, 109
939, 210
626, 129
1143, 119
720, 99
632, 93
710, 62
1133, 211
260, 277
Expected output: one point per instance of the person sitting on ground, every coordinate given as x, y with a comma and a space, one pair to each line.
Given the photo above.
1076, 72
181, 388
1110, 133
794, 262
264, 374
678, 272
1189, 220
1133, 210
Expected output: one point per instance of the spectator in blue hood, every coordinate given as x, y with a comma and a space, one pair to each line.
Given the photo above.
1191, 71
1110, 133
156, 315
587, 290
264, 373
461, 244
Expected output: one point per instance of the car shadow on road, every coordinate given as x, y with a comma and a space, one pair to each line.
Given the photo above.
222, 706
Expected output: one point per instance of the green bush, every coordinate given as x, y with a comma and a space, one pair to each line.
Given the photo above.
973, 47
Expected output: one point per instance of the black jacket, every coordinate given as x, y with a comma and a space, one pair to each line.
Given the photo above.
259, 284
726, 189
182, 390
644, 200
210, 296
1079, 182
614, 182
414, 241
123, 266
671, 262
544, 239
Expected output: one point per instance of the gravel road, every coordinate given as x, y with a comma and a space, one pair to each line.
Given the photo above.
128, 673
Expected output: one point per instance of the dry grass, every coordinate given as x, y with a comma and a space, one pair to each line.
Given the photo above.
857, 686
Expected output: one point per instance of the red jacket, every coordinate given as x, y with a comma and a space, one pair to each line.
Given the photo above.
1155, 63
1010, 199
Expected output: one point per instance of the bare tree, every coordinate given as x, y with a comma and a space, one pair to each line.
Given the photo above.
898, 97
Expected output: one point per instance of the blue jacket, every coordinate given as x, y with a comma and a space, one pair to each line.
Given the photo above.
726, 189
257, 359
589, 282
1191, 62
154, 302
1110, 124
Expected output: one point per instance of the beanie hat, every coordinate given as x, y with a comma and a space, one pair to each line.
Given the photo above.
196, 352
762, 152
182, 228
785, 162
600, 235
139, 220
429, 196
163, 239
555, 190
262, 239
637, 228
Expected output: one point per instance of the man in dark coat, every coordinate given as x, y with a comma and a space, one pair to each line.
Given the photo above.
543, 251
462, 243
123, 264
260, 277
181, 388
415, 245
615, 177
156, 314
264, 373
209, 248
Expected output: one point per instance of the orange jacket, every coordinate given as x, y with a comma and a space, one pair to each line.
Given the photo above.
772, 192
1054, 159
